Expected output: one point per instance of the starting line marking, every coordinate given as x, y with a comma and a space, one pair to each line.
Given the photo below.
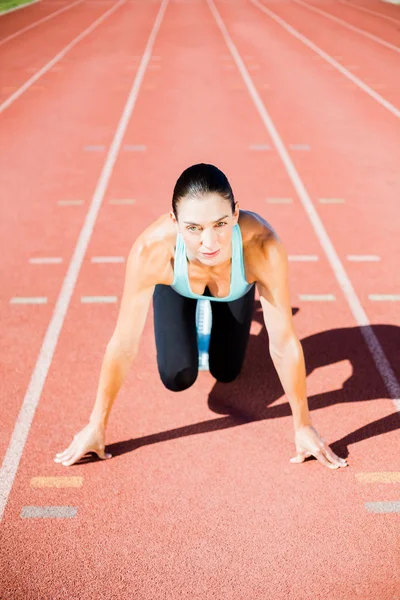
48, 512
108, 259
122, 201
299, 147
384, 297
279, 200
45, 261
94, 148
380, 477
56, 482
33, 300
317, 297
363, 258
383, 507
331, 200
260, 147
303, 257
98, 299
70, 202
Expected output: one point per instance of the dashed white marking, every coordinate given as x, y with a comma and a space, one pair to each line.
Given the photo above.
59, 56
56, 482
98, 299
358, 82
45, 261
384, 297
279, 200
303, 257
317, 297
28, 300
331, 200
108, 259
134, 148
122, 201
382, 364
48, 512
363, 258
362, 32
299, 147
31, 399
392, 506
260, 147
94, 148
70, 202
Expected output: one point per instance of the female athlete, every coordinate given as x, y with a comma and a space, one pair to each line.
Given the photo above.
205, 247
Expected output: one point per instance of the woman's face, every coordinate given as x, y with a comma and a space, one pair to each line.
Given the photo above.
206, 227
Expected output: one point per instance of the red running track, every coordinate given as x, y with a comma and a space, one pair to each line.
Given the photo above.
200, 499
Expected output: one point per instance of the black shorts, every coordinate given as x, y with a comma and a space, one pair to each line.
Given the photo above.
176, 337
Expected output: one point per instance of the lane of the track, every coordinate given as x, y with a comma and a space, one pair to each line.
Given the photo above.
44, 137
364, 9
155, 501
22, 56
366, 23
385, 8
372, 63
18, 19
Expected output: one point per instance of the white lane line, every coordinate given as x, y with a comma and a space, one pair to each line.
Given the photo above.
362, 32
45, 261
98, 299
59, 56
383, 507
107, 259
25, 417
36, 23
331, 200
9, 10
384, 297
363, 258
70, 202
122, 201
368, 10
358, 82
48, 512
28, 300
260, 147
302, 257
317, 297
279, 200
382, 364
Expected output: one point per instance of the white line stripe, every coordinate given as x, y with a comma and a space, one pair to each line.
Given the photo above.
45, 261
279, 200
363, 86
48, 512
5, 12
331, 200
70, 202
384, 297
317, 297
392, 506
362, 32
108, 259
368, 10
303, 258
363, 258
94, 148
376, 350
36, 23
260, 147
122, 201
28, 300
98, 299
59, 56
32, 396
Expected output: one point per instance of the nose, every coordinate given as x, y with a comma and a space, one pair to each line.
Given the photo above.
208, 240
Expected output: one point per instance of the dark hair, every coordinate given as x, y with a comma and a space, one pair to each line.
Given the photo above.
201, 179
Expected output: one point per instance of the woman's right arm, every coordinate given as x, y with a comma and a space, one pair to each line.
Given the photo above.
145, 267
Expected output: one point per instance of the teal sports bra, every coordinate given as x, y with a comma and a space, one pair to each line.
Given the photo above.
238, 286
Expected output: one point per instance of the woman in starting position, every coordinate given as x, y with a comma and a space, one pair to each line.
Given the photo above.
204, 248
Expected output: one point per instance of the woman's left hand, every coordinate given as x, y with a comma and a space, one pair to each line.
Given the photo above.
309, 443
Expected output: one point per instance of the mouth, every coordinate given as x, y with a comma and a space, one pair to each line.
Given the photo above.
209, 254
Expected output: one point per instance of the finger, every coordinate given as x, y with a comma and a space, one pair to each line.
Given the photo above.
334, 457
319, 455
73, 450
102, 454
63, 455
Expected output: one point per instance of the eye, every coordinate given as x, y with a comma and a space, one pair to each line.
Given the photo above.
221, 223
191, 228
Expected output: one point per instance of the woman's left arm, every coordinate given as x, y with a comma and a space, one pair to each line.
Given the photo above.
271, 272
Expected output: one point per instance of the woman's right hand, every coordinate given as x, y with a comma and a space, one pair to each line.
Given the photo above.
89, 439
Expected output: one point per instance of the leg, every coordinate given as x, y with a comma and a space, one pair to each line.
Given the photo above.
229, 336
176, 338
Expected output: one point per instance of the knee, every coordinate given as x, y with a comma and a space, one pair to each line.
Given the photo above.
179, 381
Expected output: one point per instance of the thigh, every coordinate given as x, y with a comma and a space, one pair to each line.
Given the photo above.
230, 331
176, 337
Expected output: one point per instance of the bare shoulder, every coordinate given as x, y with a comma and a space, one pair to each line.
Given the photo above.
153, 250
262, 247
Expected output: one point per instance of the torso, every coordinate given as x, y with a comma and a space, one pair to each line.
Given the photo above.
161, 237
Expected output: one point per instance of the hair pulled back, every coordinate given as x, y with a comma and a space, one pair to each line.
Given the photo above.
201, 179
